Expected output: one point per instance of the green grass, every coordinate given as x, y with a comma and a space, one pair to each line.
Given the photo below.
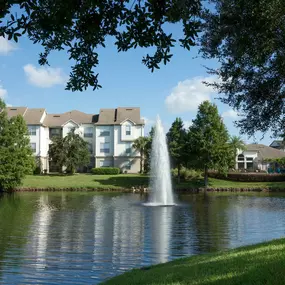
258, 264
89, 181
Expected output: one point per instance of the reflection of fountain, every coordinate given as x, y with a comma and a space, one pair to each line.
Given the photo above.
161, 227
40, 232
161, 186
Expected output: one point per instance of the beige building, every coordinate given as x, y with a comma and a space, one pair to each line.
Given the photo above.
110, 134
255, 155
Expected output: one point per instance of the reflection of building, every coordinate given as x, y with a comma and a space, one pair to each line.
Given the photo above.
110, 134
255, 155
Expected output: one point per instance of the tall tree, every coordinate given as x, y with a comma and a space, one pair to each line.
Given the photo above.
207, 141
82, 27
16, 156
247, 38
176, 144
140, 146
148, 150
70, 152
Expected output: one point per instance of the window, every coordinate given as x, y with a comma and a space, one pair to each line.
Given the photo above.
128, 165
249, 159
88, 132
34, 147
105, 163
104, 133
249, 166
32, 130
128, 148
105, 147
90, 147
55, 132
240, 157
128, 130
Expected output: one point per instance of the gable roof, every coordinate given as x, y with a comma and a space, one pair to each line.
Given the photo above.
57, 120
265, 152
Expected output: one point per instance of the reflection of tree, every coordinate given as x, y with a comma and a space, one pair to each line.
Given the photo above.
15, 219
211, 222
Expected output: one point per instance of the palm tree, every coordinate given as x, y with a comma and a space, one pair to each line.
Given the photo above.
140, 146
236, 143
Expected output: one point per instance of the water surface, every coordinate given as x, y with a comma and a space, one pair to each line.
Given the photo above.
85, 238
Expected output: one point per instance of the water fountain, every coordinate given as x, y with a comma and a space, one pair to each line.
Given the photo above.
160, 184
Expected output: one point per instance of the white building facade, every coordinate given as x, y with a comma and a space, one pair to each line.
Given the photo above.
110, 135
255, 157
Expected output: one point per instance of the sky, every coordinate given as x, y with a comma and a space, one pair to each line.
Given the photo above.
175, 90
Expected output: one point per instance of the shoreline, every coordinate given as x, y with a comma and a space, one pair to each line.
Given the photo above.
261, 263
142, 190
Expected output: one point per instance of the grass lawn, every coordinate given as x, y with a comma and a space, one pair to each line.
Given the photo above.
126, 181
258, 264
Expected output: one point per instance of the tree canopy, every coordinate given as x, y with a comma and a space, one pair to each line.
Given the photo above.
248, 39
81, 27
176, 144
207, 142
70, 152
16, 157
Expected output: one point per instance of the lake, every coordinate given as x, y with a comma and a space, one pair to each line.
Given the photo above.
85, 238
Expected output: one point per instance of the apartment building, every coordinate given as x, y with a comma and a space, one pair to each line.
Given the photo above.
110, 134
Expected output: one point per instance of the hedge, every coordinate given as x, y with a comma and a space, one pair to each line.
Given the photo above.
105, 171
249, 177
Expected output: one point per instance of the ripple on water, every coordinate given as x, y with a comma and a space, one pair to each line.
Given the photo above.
52, 238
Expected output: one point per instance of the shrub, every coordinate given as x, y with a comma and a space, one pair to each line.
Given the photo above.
105, 171
249, 177
186, 174
37, 170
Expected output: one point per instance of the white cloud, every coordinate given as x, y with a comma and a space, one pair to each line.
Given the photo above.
189, 94
187, 124
148, 122
6, 46
44, 77
230, 114
3, 92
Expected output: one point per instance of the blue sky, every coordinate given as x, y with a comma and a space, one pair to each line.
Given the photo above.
173, 91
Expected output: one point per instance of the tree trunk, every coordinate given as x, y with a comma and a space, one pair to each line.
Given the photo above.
178, 174
206, 176
141, 163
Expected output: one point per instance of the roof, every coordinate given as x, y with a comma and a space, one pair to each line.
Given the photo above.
277, 143
264, 151
56, 120
15, 111
119, 115
34, 116
31, 116
106, 117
